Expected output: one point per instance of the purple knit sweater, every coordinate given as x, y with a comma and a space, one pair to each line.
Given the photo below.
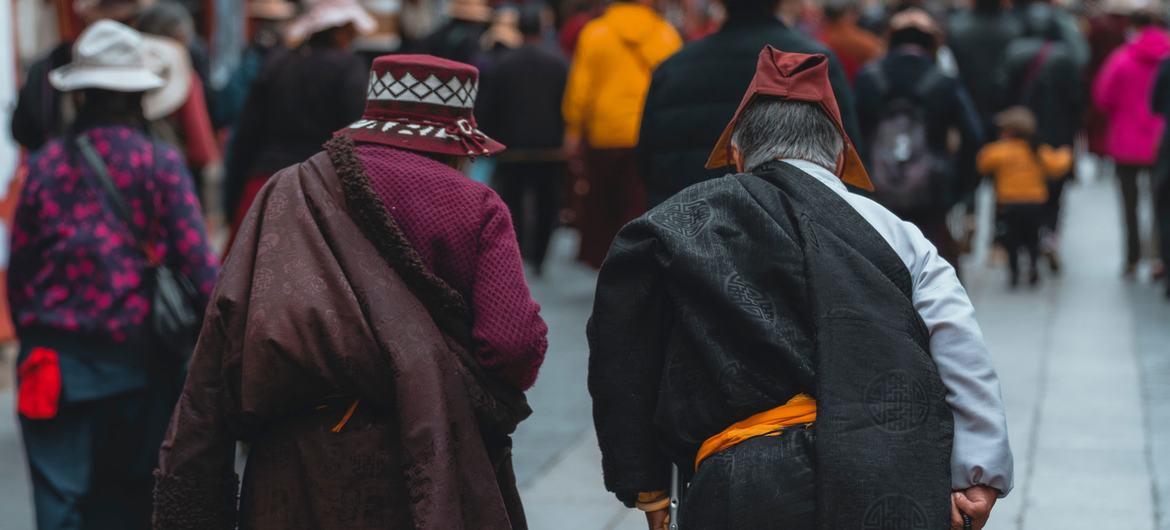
464, 233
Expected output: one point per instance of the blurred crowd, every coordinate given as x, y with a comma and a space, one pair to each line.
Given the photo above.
606, 113
607, 110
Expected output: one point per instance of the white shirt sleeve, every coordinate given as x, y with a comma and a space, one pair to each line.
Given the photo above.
981, 453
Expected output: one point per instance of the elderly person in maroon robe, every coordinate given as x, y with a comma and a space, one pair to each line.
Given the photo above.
371, 335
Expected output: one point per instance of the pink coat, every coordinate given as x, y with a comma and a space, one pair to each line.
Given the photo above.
1122, 92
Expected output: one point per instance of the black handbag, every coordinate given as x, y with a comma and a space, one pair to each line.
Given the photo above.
174, 319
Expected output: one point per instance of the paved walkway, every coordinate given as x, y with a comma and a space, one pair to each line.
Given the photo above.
1084, 360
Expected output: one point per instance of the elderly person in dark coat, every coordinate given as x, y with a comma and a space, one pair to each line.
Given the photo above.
806, 358
371, 336
693, 91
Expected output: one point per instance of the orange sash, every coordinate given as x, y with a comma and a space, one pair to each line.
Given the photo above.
799, 410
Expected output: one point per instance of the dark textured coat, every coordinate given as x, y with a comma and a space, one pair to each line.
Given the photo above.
321, 302
695, 92
740, 292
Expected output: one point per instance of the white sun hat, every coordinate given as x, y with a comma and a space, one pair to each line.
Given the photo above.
328, 14
111, 56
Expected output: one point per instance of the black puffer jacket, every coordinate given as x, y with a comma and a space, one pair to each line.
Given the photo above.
1043, 76
695, 92
979, 39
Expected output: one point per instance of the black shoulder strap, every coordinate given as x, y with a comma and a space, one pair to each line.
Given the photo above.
95, 163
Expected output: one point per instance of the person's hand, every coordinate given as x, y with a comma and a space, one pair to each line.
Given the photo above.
657, 520
976, 502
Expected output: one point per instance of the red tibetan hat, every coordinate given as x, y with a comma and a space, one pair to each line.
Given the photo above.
422, 103
796, 77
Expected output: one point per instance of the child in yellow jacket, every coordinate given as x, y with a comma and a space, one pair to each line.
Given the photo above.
1021, 169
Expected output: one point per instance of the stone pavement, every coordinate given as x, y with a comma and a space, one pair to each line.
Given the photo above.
1084, 361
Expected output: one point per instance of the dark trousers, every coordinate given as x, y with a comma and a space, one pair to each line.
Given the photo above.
92, 465
616, 196
1127, 176
1162, 213
1052, 207
764, 482
532, 191
1020, 230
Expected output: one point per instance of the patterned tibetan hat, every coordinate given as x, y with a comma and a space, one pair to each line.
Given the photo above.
422, 103
796, 77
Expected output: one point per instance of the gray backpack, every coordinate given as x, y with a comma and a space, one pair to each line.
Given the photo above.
907, 175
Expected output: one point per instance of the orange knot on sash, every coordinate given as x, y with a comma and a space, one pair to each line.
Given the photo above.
799, 410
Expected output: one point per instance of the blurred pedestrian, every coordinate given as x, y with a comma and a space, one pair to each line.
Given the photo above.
721, 313
576, 14
371, 337
299, 98
854, 46
1066, 27
169, 18
1020, 166
1161, 173
267, 20
608, 81
908, 109
979, 37
694, 90
1107, 31
459, 39
42, 113
95, 387
1123, 91
189, 128
1043, 74
520, 104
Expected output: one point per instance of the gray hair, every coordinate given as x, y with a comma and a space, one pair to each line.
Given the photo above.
773, 129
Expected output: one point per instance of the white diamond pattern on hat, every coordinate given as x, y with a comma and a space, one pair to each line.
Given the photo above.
453, 93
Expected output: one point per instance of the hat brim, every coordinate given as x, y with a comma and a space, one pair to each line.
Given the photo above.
312, 22
422, 138
130, 79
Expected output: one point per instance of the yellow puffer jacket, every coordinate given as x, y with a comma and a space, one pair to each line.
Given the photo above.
611, 73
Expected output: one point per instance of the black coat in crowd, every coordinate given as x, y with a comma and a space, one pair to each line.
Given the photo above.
37, 117
1054, 92
1161, 176
457, 40
695, 92
519, 100
295, 104
979, 39
945, 105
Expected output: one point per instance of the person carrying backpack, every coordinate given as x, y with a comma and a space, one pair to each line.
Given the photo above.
907, 109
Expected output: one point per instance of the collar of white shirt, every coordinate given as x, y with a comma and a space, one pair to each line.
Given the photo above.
820, 173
